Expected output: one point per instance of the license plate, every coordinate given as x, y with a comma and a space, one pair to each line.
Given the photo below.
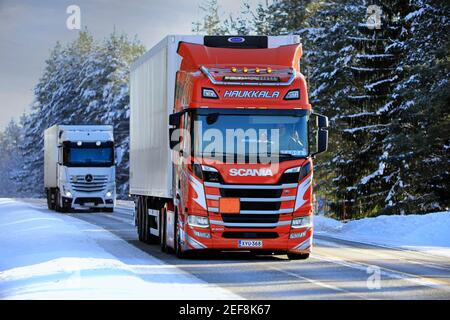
250, 243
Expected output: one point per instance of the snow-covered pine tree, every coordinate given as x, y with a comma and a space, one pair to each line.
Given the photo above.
365, 121
419, 162
56, 102
210, 23
10, 140
104, 94
85, 82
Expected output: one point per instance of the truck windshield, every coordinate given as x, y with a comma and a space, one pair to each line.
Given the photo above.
248, 136
88, 155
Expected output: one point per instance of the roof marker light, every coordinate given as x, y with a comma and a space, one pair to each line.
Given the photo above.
233, 69
269, 70
257, 70
245, 70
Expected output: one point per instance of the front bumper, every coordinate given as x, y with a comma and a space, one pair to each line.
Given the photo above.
283, 242
80, 201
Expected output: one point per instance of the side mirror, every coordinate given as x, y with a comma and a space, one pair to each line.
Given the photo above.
174, 121
322, 134
173, 141
117, 149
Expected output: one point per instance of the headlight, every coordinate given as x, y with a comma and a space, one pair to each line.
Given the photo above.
301, 222
109, 194
292, 95
198, 221
293, 170
67, 192
210, 174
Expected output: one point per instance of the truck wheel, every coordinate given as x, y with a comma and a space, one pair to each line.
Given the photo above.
297, 256
140, 221
179, 252
58, 207
144, 223
163, 228
50, 203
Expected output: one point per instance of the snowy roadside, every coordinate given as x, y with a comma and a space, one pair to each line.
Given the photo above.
429, 233
45, 255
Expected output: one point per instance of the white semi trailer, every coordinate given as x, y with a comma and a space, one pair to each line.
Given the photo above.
79, 167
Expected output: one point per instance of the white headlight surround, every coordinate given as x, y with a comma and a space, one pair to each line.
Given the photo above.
208, 168
293, 170
198, 221
301, 222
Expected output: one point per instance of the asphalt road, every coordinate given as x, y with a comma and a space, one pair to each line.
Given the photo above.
336, 270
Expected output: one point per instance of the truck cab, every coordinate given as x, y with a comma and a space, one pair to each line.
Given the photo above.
242, 137
80, 167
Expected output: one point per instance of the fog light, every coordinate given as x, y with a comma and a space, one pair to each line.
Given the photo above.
297, 235
202, 234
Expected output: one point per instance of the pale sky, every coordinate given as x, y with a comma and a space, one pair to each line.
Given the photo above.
30, 28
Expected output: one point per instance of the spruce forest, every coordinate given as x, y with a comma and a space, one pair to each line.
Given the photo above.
380, 70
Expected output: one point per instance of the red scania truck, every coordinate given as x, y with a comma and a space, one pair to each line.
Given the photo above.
222, 138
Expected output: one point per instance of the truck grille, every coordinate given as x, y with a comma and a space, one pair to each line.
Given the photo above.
251, 193
250, 218
249, 235
83, 183
254, 199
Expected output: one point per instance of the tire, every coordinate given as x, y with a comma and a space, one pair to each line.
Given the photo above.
163, 230
179, 252
144, 223
297, 256
50, 204
141, 227
58, 207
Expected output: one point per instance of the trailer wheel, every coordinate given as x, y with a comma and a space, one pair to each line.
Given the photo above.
58, 207
144, 223
163, 228
297, 256
141, 221
50, 202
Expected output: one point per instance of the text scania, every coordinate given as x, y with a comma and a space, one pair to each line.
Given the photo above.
264, 94
251, 172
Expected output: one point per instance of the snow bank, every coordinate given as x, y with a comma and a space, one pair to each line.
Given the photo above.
429, 232
45, 255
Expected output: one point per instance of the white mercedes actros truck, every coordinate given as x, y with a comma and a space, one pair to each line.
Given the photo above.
79, 167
